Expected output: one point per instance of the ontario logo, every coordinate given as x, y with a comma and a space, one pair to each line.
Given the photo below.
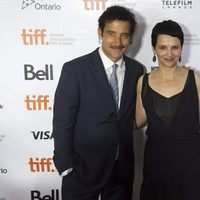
26, 3
40, 6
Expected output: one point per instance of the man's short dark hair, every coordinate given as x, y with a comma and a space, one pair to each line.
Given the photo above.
117, 13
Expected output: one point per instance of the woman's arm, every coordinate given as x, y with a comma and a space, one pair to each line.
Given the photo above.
197, 79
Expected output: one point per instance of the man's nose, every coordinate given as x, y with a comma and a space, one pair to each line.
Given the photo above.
118, 40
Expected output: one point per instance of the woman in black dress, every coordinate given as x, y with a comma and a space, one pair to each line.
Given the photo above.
168, 100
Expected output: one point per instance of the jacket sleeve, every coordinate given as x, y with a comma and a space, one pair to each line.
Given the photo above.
66, 105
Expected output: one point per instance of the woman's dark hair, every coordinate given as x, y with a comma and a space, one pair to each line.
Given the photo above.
167, 27
117, 13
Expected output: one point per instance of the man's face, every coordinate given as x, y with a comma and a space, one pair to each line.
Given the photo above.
115, 38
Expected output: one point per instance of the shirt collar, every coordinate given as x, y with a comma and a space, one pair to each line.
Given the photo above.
107, 62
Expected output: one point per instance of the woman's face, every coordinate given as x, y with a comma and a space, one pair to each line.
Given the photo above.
168, 50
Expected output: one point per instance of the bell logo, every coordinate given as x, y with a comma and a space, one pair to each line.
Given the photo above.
40, 102
41, 165
34, 37
31, 74
36, 195
95, 4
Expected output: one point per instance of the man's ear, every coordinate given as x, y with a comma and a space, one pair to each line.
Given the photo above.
99, 33
131, 40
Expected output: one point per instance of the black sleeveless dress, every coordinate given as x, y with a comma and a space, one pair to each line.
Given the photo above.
172, 151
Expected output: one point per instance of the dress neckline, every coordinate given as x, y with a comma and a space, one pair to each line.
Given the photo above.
174, 95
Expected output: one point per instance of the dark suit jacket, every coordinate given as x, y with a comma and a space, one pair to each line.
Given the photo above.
86, 126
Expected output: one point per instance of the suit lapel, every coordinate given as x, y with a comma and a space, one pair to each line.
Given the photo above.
125, 91
98, 71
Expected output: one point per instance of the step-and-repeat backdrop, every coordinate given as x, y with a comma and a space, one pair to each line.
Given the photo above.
36, 38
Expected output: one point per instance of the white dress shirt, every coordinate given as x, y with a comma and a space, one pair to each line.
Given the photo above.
107, 63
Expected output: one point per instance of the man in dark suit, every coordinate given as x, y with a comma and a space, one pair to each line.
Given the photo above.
94, 114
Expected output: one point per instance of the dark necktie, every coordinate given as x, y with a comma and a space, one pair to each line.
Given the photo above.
115, 91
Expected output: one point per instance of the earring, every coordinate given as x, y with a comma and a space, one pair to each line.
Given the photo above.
179, 59
154, 58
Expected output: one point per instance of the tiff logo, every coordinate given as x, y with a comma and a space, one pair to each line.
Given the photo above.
95, 4
34, 37
41, 165
42, 135
26, 3
40, 102
36, 195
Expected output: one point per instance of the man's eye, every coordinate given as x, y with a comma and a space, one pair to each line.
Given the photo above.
125, 36
111, 34
176, 47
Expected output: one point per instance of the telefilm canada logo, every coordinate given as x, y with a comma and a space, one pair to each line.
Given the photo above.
40, 6
176, 4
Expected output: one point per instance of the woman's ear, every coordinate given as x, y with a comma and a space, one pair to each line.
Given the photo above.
154, 52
